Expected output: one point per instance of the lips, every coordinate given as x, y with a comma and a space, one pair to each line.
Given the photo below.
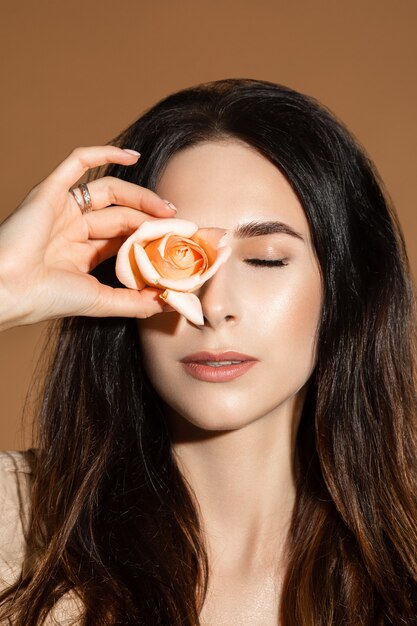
218, 367
228, 355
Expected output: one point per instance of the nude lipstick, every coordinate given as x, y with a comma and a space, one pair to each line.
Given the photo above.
217, 367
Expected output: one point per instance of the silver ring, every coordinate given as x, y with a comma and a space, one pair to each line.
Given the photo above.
85, 205
77, 200
87, 198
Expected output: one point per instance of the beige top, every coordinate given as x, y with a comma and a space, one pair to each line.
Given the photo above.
15, 483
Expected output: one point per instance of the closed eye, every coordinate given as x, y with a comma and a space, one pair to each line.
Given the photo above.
267, 262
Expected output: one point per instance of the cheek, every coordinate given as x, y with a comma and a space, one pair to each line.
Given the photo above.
290, 318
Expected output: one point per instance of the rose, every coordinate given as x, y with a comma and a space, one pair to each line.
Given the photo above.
174, 254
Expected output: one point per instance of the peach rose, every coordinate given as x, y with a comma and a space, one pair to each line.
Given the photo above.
173, 254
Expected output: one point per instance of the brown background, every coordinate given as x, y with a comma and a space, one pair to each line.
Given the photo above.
76, 73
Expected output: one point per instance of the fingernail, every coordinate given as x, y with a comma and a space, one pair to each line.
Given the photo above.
170, 205
134, 152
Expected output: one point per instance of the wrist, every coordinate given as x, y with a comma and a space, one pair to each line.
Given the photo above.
8, 309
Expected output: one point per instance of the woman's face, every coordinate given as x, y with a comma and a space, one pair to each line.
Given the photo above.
269, 313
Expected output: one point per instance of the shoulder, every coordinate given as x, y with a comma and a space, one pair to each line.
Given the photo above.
17, 461
15, 479
16, 470
15, 486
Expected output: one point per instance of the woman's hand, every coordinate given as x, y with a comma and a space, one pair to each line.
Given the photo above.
47, 246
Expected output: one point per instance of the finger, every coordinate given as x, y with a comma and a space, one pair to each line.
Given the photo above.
123, 302
82, 159
115, 222
101, 250
111, 190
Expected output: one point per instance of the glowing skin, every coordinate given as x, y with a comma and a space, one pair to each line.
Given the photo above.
234, 440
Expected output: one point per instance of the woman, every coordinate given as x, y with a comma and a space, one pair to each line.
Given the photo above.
163, 490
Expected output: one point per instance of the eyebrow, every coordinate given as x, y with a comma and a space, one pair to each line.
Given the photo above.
256, 229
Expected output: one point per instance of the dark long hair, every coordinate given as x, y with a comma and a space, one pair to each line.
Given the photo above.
113, 520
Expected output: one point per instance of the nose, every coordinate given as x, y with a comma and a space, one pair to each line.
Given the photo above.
218, 297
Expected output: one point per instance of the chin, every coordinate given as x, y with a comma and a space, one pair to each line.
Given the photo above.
184, 421
216, 424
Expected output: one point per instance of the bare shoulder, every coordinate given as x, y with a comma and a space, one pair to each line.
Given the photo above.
15, 484
17, 461
15, 481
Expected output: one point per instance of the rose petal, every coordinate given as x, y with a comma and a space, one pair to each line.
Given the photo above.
161, 247
223, 254
210, 239
185, 303
167, 270
149, 273
190, 283
154, 229
126, 268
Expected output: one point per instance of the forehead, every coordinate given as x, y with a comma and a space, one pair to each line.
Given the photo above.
227, 183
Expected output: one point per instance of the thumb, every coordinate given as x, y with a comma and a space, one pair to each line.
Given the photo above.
124, 302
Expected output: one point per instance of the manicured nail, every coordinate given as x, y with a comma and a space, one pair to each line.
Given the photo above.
170, 205
134, 152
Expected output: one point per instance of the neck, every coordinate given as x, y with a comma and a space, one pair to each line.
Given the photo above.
244, 483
